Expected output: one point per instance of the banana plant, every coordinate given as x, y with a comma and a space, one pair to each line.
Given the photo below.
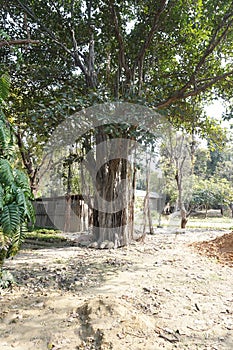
16, 208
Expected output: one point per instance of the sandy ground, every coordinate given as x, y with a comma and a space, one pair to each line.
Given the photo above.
159, 295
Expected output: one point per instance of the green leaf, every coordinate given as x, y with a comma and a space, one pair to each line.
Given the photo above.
6, 174
1, 197
30, 211
3, 135
22, 182
17, 240
4, 86
25, 206
10, 219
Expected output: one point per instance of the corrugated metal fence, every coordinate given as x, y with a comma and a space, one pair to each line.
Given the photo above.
66, 213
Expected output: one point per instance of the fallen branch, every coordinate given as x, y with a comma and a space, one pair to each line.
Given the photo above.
167, 335
135, 335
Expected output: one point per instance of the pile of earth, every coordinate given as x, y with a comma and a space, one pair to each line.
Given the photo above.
106, 322
220, 248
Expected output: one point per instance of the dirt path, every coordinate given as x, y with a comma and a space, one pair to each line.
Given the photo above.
157, 295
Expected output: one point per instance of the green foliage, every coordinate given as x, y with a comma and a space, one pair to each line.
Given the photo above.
10, 219
211, 193
6, 173
47, 237
15, 195
202, 157
4, 87
198, 40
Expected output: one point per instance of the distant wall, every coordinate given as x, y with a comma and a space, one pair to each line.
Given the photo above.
69, 214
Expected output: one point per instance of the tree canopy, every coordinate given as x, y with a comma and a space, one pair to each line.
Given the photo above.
162, 51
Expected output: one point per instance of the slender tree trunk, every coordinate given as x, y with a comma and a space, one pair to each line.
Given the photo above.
132, 200
183, 212
147, 211
34, 172
206, 209
221, 211
4, 246
150, 222
68, 201
184, 219
26, 159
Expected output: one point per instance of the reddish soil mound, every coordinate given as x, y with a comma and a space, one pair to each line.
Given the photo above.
220, 248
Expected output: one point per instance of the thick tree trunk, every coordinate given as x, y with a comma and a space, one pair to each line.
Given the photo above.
113, 197
110, 224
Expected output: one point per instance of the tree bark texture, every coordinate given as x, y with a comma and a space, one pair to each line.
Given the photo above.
114, 192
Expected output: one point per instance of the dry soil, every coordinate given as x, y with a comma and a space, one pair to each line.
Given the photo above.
172, 292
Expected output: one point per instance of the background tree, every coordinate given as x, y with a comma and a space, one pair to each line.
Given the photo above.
211, 193
177, 155
186, 164
224, 168
202, 157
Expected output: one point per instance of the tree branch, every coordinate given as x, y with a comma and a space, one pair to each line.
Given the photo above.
203, 87
180, 94
77, 59
26, 160
45, 29
139, 62
120, 41
147, 42
75, 54
215, 40
91, 59
18, 42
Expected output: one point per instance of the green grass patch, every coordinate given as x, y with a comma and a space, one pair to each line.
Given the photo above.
47, 235
214, 223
